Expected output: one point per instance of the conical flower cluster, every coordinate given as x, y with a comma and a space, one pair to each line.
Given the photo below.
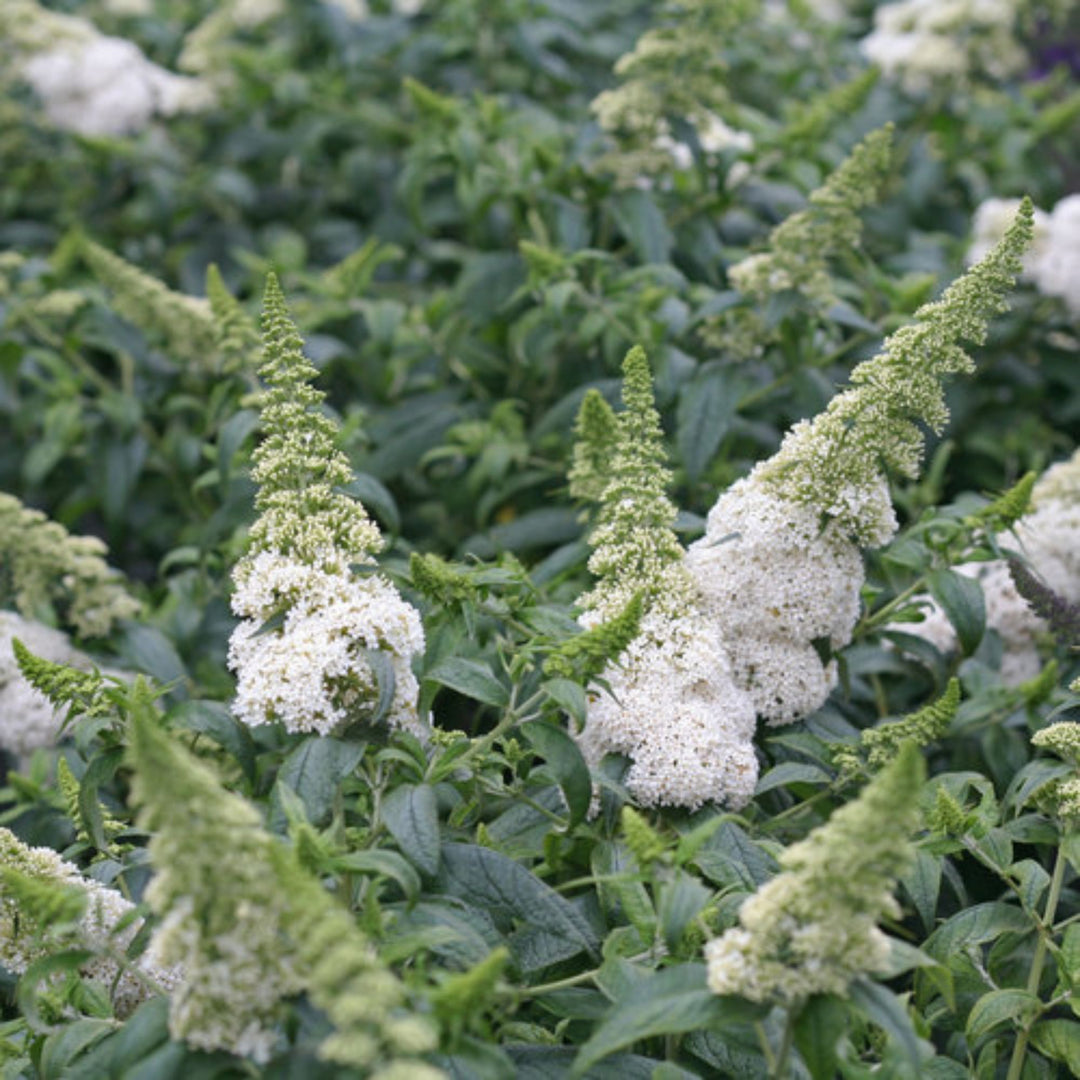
305, 652
669, 706
813, 927
779, 568
250, 928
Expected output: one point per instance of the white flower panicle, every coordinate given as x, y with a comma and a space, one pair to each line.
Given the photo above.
671, 708
1049, 539
774, 583
1053, 263
90, 83
316, 671
813, 927
927, 43
779, 568
23, 941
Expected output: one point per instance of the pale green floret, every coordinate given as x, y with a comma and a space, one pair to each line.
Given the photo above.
813, 928
251, 927
298, 466
596, 431
635, 549
1062, 739
800, 246
836, 462
185, 323
48, 570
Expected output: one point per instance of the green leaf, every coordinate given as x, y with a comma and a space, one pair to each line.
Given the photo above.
379, 863
882, 1007
923, 884
975, 926
1059, 1040
569, 695
820, 1026
669, 1002
567, 765
643, 225
214, 719
63, 1047
730, 857
682, 899
144, 1031
471, 678
791, 772
961, 598
152, 653
411, 813
513, 896
315, 769
1000, 1007
706, 406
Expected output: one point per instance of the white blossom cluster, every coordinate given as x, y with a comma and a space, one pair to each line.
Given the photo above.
28, 720
1053, 261
774, 582
89, 82
674, 710
813, 927
925, 43
22, 941
1049, 538
314, 674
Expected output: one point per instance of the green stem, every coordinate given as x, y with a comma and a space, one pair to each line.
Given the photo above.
1016, 1065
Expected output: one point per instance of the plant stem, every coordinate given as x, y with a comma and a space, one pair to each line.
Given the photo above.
779, 1066
1016, 1065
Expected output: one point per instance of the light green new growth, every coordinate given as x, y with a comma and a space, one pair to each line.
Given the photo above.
45, 570
297, 465
837, 462
438, 580
947, 815
810, 121
69, 790
236, 338
813, 928
800, 247
250, 927
184, 322
635, 549
595, 433
585, 655
466, 994
644, 842
925, 725
1009, 507
83, 691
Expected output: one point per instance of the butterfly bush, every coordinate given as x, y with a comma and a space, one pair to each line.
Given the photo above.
343, 632
88, 82
106, 925
779, 569
813, 928
1049, 539
667, 704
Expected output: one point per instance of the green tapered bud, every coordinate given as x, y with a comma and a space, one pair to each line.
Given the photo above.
644, 842
596, 432
1009, 507
925, 725
585, 656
